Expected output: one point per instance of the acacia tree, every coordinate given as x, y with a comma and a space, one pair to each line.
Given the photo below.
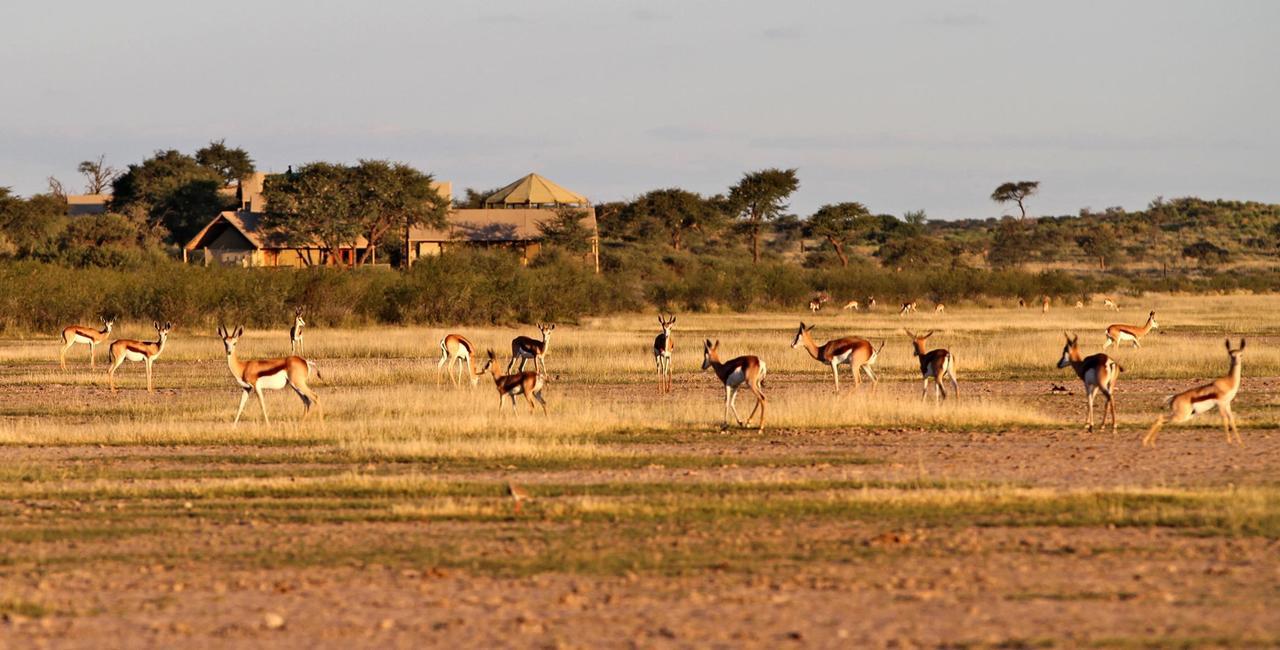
760, 197
390, 195
1100, 243
841, 225
1016, 192
98, 175
230, 163
676, 212
169, 189
313, 206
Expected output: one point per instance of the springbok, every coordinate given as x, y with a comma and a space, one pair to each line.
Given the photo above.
1098, 372
456, 349
855, 352
871, 303
1022, 304
749, 370
1044, 304
1219, 392
816, 303
122, 350
1110, 304
524, 348
257, 375
74, 334
852, 304
529, 384
907, 308
1079, 304
1117, 334
934, 365
295, 332
939, 308
663, 345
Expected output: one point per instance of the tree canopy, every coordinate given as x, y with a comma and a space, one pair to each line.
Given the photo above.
314, 207
171, 191
391, 195
761, 197
841, 225
1016, 192
674, 213
230, 163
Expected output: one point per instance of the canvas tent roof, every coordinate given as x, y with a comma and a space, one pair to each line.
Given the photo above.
534, 190
249, 225
479, 225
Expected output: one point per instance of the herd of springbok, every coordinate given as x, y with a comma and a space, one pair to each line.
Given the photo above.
458, 359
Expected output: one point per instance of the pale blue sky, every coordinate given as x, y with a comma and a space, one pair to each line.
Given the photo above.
901, 105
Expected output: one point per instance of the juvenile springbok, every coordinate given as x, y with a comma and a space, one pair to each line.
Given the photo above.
1219, 392
524, 348
74, 334
1118, 333
529, 384
852, 304
855, 352
749, 370
257, 375
122, 350
907, 308
295, 332
663, 346
934, 365
456, 349
1098, 372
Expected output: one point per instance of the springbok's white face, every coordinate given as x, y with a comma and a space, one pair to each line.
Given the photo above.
1066, 352
546, 331
666, 324
708, 350
1236, 353
799, 338
298, 322
1154, 324
229, 339
108, 323
162, 330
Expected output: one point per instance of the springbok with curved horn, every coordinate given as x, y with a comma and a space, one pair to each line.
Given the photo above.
122, 350
456, 349
1099, 373
663, 346
855, 352
295, 332
74, 334
1220, 393
749, 370
934, 365
257, 375
529, 384
524, 348
1117, 334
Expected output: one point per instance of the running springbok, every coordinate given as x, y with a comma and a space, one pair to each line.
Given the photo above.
934, 365
456, 349
74, 334
855, 352
257, 375
1098, 372
295, 332
122, 350
663, 346
524, 348
907, 308
749, 370
529, 384
1118, 333
1220, 392
852, 304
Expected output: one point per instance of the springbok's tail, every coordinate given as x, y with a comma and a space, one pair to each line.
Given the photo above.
875, 354
313, 369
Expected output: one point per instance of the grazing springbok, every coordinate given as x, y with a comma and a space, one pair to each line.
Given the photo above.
939, 308
855, 352
257, 375
1110, 304
934, 365
663, 345
524, 348
907, 308
295, 332
529, 384
816, 303
74, 334
122, 350
1044, 304
1219, 392
1118, 333
749, 370
456, 349
1098, 372
852, 304
1022, 304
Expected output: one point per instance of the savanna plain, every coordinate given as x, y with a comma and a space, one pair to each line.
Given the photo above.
864, 518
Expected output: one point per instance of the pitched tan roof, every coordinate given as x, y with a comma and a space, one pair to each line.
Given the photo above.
249, 225
534, 190
494, 225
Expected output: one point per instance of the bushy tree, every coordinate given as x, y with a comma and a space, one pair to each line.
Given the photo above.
1016, 192
98, 175
841, 225
761, 197
1011, 245
172, 191
567, 231
315, 206
29, 225
394, 195
230, 163
1100, 243
473, 198
674, 213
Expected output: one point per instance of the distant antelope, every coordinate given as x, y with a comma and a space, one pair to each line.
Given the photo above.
456, 349
524, 348
854, 351
122, 350
749, 370
663, 346
907, 308
1220, 393
1117, 334
1022, 304
529, 384
934, 365
1044, 304
257, 375
871, 303
1098, 372
74, 334
852, 304
939, 308
816, 303
1079, 304
295, 332
1110, 304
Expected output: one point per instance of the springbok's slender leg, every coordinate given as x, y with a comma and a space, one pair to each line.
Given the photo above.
244, 399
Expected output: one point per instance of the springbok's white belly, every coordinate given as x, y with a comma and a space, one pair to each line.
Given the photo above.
273, 382
1206, 405
134, 356
1125, 336
736, 378
78, 338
